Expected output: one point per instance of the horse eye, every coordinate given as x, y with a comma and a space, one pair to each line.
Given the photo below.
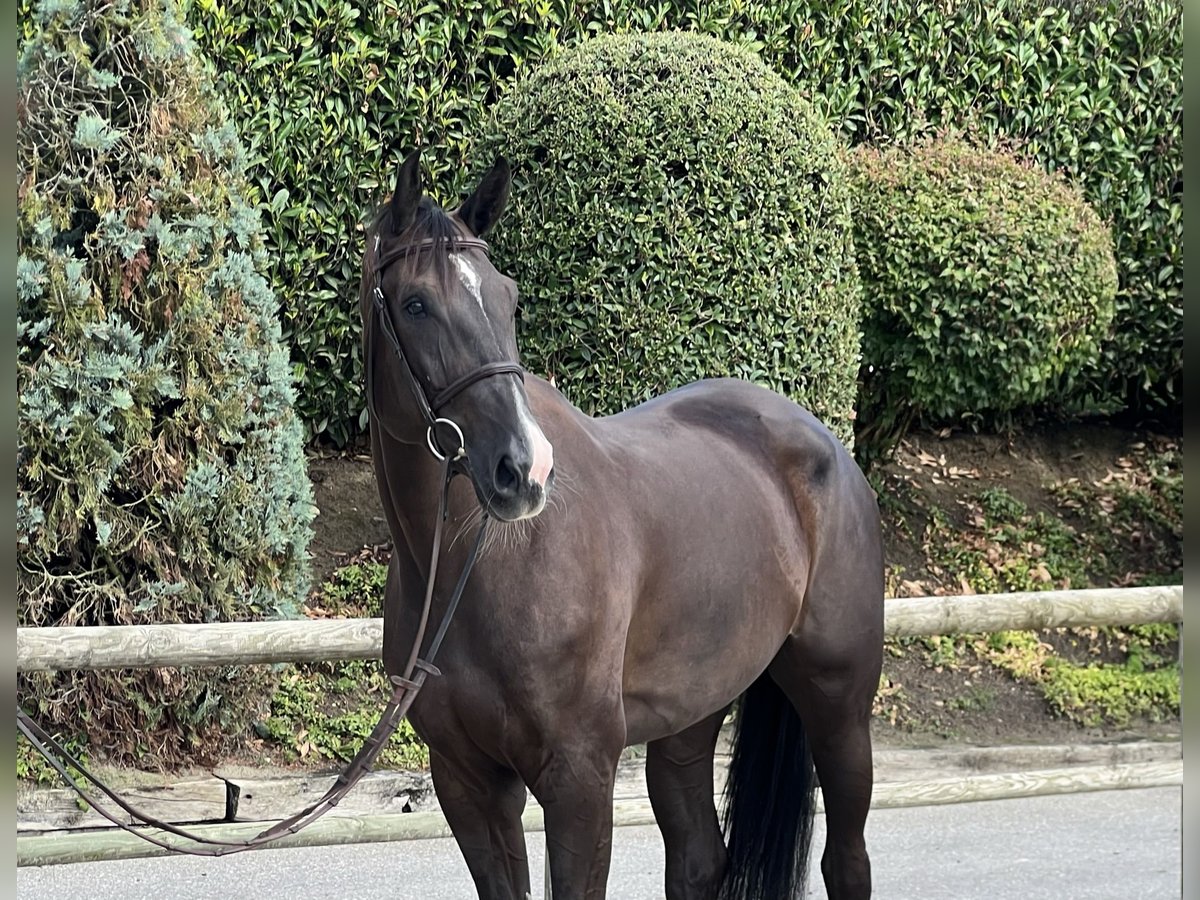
414, 308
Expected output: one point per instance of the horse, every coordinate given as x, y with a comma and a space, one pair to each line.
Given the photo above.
715, 545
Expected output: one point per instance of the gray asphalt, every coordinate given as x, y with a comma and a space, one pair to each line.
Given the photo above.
1114, 844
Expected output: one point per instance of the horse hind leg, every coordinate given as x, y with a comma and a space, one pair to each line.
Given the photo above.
831, 676
483, 805
679, 780
841, 750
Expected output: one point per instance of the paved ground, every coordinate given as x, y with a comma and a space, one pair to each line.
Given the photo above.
1114, 844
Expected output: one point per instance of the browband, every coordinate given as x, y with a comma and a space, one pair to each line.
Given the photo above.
382, 261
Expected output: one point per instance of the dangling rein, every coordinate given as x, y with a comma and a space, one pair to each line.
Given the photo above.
404, 687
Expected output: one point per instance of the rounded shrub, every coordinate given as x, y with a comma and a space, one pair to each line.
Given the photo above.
677, 211
160, 474
988, 285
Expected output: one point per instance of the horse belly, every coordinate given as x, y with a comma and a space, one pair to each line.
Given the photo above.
722, 601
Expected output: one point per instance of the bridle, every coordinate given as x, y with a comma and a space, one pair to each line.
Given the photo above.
427, 408
416, 670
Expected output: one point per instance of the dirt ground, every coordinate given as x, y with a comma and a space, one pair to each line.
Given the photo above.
350, 517
920, 703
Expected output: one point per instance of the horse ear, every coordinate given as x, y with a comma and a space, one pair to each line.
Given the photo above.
407, 194
482, 209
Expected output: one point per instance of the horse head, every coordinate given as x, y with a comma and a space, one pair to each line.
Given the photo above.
440, 342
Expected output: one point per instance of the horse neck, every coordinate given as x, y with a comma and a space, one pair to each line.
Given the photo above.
410, 485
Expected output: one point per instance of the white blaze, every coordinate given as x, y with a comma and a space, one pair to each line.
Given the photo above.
469, 278
543, 452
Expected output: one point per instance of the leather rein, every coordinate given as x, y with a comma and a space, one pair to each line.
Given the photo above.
417, 668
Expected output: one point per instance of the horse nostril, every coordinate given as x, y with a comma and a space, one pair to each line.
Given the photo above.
507, 478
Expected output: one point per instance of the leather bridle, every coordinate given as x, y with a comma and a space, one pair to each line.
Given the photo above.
416, 670
428, 408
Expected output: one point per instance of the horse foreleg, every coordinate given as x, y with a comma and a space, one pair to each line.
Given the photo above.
679, 779
483, 803
575, 790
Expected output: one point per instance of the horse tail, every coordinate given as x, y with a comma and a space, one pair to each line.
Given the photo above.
770, 798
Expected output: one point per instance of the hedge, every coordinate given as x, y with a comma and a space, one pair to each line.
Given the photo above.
677, 211
325, 95
1092, 89
988, 285
160, 473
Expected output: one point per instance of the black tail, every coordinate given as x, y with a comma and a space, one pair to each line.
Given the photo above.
769, 799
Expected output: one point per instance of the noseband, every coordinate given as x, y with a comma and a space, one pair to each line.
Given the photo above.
428, 408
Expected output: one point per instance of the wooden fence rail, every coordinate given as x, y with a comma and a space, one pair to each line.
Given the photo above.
53, 848
317, 640
245, 643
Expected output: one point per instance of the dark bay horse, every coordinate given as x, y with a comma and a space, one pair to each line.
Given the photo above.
645, 571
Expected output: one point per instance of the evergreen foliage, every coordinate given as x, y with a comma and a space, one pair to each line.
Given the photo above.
160, 475
988, 286
678, 212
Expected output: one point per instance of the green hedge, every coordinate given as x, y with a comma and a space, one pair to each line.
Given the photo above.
1092, 89
988, 285
324, 96
160, 473
677, 211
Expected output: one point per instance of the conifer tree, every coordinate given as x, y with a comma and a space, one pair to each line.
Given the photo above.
161, 474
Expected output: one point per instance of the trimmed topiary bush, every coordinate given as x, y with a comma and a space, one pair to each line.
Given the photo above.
160, 473
321, 93
1092, 89
678, 211
988, 285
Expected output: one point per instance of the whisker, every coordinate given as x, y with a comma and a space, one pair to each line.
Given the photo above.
505, 537
468, 524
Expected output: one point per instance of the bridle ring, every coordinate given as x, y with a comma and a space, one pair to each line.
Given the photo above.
433, 448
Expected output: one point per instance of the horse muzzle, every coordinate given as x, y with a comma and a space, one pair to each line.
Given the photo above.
517, 478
